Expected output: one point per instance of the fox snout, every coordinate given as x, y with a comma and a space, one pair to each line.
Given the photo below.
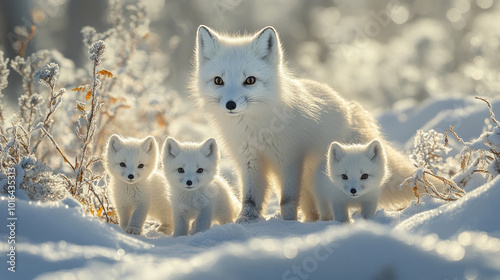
130, 177
233, 106
190, 184
354, 191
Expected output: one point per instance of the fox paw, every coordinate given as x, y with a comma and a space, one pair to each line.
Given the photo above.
242, 219
133, 230
248, 214
165, 229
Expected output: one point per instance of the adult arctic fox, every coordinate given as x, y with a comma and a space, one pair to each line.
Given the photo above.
199, 193
350, 176
138, 190
275, 124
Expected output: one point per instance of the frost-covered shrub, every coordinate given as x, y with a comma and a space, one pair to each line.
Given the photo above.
37, 180
4, 74
428, 150
481, 155
427, 156
136, 93
55, 140
21, 138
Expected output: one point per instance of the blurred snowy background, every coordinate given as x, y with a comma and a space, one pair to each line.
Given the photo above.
415, 64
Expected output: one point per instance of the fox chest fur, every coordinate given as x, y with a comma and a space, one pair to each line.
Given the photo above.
130, 195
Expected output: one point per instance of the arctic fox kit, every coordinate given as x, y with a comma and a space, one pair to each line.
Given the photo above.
350, 176
199, 193
275, 124
137, 189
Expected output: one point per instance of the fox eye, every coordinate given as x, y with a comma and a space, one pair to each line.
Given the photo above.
250, 81
218, 81
344, 177
364, 176
140, 165
122, 164
200, 170
180, 170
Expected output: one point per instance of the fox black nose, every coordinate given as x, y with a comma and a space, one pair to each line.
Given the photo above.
231, 105
130, 176
353, 191
189, 183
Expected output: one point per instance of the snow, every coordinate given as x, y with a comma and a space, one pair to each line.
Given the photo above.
474, 212
429, 240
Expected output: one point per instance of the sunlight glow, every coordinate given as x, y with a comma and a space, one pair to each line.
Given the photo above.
429, 242
290, 251
400, 14
484, 4
465, 238
455, 251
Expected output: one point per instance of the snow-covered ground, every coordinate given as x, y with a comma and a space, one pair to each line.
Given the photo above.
430, 240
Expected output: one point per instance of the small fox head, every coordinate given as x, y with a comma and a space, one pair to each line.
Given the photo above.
131, 160
357, 169
235, 73
190, 165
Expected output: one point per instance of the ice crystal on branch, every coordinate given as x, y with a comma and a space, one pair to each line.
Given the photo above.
90, 35
4, 74
4, 71
427, 157
37, 180
96, 51
47, 75
428, 149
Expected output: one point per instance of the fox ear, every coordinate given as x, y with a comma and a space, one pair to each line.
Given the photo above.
336, 152
209, 148
171, 148
375, 150
268, 46
115, 143
207, 43
149, 145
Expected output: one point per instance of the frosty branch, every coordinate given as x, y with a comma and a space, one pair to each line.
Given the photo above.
426, 157
482, 154
83, 160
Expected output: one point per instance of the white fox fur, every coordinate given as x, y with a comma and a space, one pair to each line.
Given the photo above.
351, 176
198, 191
138, 189
276, 125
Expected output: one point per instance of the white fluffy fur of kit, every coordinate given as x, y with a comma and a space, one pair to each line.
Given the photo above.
198, 192
138, 189
351, 176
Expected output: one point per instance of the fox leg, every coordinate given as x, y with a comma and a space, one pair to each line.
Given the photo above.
341, 212
307, 197
290, 179
204, 220
165, 218
137, 219
124, 213
254, 188
325, 210
369, 207
181, 224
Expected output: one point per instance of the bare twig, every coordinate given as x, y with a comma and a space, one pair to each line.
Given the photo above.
492, 115
454, 134
57, 147
24, 43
